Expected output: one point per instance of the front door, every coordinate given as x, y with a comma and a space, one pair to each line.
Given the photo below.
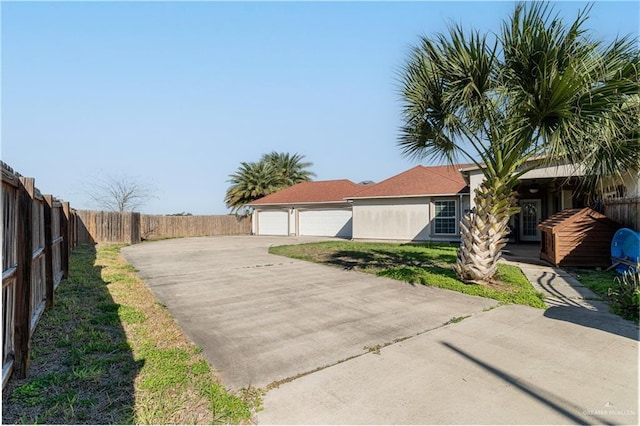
530, 216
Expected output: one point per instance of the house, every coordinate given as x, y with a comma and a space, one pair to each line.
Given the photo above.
420, 204
424, 203
308, 208
550, 188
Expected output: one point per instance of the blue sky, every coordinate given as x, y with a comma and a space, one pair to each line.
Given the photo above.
177, 94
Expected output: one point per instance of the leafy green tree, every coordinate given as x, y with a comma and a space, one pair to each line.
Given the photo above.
273, 172
537, 90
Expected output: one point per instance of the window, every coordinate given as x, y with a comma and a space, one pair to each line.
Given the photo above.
445, 217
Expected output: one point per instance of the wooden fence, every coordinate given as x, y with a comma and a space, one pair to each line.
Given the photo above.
38, 234
37, 237
132, 228
108, 227
625, 211
156, 227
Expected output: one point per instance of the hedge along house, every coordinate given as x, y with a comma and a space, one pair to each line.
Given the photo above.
420, 204
551, 188
308, 208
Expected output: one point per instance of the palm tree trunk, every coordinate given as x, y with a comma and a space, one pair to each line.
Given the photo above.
484, 231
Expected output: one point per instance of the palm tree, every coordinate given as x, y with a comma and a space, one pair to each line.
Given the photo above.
539, 89
250, 182
273, 172
291, 168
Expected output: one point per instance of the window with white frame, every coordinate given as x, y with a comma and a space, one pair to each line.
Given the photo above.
444, 217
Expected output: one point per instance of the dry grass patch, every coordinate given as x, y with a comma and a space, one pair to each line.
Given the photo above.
108, 353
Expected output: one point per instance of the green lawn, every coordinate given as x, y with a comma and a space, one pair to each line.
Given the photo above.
622, 295
427, 264
598, 281
109, 353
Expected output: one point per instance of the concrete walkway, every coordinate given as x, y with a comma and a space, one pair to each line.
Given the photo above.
560, 288
511, 365
342, 347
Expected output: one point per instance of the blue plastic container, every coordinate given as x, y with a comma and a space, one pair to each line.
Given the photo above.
625, 245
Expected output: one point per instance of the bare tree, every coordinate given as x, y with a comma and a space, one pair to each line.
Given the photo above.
119, 192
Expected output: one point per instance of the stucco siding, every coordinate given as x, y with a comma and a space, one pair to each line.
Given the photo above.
293, 222
466, 205
475, 179
393, 219
632, 182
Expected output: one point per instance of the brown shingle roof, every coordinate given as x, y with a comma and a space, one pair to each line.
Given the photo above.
420, 180
311, 192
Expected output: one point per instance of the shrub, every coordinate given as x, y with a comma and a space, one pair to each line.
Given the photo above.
625, 295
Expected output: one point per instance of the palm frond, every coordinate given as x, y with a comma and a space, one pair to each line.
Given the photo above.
543, 88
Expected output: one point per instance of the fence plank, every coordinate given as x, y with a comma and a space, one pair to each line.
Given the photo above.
10, 186
38, 275
48, 249
23, 285
65, 231
56, 243
35, 247
625, 211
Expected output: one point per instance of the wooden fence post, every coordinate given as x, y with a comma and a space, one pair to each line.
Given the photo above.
48, 249
26, 191
66, 235
135, 228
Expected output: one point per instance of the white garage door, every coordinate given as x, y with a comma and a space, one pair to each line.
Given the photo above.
325, 223
273, 223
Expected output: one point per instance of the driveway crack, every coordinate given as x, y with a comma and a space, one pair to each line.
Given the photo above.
370, 350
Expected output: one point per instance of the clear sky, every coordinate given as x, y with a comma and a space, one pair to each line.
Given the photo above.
178, 94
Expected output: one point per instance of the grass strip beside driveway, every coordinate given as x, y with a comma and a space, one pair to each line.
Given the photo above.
108, 353
622, 293
427, 263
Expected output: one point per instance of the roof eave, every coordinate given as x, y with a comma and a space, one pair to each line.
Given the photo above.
296, 203
529, 160
451, 194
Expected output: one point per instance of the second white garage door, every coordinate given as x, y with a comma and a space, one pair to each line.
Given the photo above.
325, 223
273, 222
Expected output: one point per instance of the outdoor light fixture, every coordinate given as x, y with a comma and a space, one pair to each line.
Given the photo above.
534, 188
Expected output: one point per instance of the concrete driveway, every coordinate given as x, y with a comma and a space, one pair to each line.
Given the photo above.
342, 347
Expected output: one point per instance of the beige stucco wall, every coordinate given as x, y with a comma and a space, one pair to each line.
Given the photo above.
475, 179
401, 218
393, 219
293, 222
465, 205
631, 182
